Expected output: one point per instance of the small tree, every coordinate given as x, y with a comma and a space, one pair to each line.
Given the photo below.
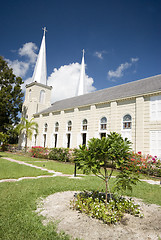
27, 127
104, 155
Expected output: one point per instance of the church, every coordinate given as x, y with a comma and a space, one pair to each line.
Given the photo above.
132, 109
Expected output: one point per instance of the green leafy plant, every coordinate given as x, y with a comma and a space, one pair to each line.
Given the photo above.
94, 205
60, 154
11, 99
3, 140
112, 151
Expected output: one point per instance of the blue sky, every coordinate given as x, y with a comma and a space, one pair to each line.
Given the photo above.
122, 40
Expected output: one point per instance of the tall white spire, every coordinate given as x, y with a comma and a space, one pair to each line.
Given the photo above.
81, 83
40, 73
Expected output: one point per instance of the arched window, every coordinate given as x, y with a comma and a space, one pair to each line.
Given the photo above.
69, 127
29, 94
103, 123
56, 127
127, 121
42, 96
45, 127
84, 125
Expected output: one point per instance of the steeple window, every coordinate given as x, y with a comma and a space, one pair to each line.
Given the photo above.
29, 95
42, 96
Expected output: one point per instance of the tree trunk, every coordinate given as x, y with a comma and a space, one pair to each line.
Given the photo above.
106, 192
106, 179
26, 143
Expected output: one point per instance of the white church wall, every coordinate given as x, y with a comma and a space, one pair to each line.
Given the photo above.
126, 107
138, 108
102, 110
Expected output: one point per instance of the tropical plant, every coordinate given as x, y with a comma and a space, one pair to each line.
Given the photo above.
93, 204
113, 152
27, 127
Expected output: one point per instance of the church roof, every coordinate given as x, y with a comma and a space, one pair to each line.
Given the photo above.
131, 89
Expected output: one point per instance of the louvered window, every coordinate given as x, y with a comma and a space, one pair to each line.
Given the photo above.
155, 108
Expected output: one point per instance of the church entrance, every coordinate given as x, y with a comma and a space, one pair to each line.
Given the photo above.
68, 140
102, 135
84, 139
35, 136
56, 139
44, 136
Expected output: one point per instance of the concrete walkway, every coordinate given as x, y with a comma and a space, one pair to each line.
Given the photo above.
55, 174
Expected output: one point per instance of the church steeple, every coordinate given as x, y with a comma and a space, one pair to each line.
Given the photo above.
81, 83
40, 72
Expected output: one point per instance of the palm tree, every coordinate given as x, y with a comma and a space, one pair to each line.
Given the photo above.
27, 127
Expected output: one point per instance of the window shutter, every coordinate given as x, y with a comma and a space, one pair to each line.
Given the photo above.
159, 108
153, 108
155, 143
159, 144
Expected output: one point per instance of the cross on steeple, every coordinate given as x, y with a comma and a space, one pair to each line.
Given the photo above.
44, 29
83, 52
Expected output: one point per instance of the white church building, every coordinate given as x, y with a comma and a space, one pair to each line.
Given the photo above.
132, 109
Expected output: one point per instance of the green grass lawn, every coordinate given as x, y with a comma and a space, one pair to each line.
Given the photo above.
14, 170
18, 219
66, 168
19, 157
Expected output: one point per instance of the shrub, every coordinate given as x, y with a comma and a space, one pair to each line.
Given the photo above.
60, 154
93, 204
39, 152
146, 164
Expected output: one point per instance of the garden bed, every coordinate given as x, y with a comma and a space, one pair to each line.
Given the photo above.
56, 207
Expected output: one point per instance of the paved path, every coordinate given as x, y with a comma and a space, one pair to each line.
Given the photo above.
55, 174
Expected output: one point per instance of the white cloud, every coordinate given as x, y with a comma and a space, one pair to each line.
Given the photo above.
119, 72
134, 59
28, 49
65, 80
19, 68
27, 81
99, 54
